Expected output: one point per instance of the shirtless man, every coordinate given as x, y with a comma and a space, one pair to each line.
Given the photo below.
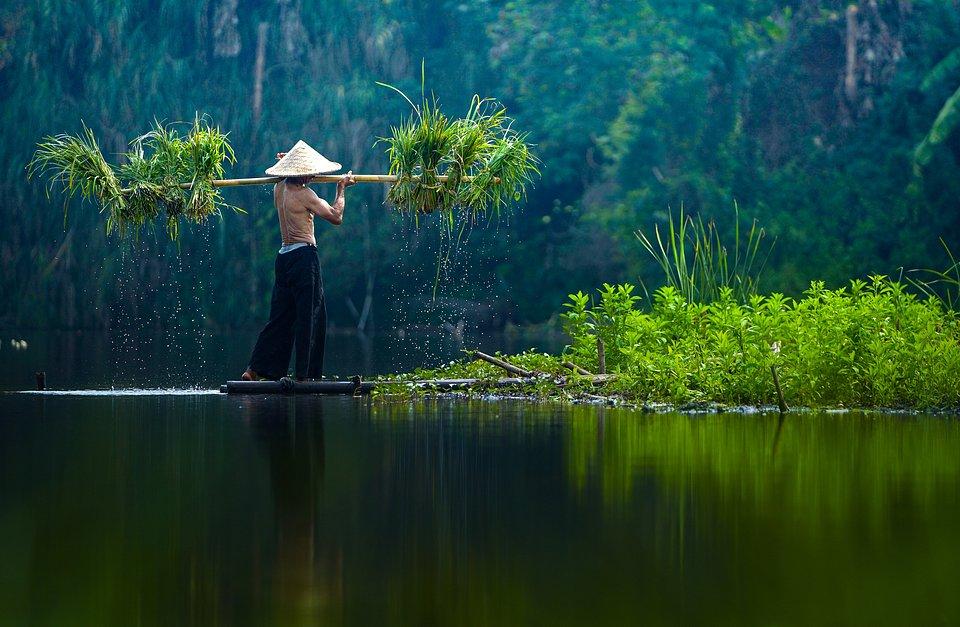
297, 310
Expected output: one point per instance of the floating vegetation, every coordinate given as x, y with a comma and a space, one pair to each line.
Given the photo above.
477, 163
163, 175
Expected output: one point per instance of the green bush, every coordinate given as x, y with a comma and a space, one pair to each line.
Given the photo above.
869, 344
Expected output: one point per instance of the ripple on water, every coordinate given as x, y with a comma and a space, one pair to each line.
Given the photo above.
123, 392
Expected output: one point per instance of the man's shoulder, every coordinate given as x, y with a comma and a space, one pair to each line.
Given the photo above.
307, 194
302, 199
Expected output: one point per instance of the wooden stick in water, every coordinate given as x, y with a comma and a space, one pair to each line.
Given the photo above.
577, 369
781, 403
520, 372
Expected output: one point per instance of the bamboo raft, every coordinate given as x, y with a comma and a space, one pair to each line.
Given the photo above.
289, 386
358, 387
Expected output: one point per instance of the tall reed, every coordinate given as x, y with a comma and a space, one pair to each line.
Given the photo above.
943, 285
697, 262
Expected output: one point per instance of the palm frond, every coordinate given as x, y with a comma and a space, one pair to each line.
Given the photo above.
947, 120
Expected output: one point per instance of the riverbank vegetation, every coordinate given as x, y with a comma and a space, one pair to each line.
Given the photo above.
707, 336
869, 344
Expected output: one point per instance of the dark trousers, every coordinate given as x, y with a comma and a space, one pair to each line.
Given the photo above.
297, 312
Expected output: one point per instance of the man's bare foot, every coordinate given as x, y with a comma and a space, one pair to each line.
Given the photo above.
250, 375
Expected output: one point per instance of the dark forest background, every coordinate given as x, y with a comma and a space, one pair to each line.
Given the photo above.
806, 115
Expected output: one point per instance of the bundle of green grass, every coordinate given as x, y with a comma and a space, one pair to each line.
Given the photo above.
476, 164
163, 175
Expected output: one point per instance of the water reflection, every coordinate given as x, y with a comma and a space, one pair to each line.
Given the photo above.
220, 510
781, 418
307, 582
797, 507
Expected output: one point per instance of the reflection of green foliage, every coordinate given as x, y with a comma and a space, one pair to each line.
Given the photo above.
871, 496
169, 510
803, 465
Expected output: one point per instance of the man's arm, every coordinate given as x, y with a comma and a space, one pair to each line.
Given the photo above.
333, 212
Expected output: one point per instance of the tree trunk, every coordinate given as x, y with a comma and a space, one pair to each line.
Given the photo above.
258, 67
850, 77
226, 37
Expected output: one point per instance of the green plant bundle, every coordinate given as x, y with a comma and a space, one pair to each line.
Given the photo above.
149, 183
488, 164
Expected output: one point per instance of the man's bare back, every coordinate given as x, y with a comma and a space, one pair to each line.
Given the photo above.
297, 205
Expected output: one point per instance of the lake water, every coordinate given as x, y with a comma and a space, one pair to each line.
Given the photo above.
199, 508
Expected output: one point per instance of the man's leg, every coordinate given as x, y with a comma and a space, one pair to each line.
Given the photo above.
271, 354
311, 318
315, 368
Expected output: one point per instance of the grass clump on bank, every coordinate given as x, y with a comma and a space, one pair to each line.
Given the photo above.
696, 262
163, 175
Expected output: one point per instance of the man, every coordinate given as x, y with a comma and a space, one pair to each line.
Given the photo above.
297, 311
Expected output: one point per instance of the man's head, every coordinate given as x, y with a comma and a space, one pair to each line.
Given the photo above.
298, 180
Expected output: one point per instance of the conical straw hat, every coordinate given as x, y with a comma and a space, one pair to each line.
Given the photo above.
302, 160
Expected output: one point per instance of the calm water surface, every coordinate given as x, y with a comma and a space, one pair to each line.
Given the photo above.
206, 509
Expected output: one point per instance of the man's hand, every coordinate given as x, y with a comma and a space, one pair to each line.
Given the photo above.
281, 155
346, 180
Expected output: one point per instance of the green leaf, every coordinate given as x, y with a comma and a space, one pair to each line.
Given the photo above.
947, 120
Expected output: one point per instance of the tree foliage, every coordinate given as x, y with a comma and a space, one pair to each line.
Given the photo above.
635, 109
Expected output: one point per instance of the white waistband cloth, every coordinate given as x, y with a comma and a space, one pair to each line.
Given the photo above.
291, 247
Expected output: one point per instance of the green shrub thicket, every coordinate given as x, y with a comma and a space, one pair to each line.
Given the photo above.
868, 344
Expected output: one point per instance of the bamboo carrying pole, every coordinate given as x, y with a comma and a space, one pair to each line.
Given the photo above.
323, 178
